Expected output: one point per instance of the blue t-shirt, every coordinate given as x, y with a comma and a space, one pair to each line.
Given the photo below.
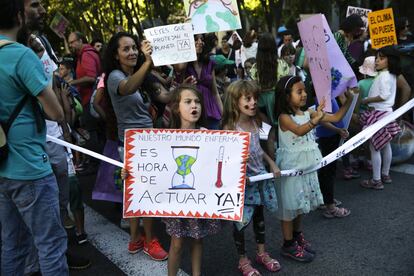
323, 131
21, 73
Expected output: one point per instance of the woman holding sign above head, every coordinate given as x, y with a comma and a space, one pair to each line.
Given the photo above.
127, 63
201, 74
187, 113
241, 114
298, 193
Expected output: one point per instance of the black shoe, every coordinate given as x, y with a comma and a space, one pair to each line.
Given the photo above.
297, 253
77, 263
82, 238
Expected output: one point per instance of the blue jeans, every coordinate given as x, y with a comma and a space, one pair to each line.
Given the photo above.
29, 211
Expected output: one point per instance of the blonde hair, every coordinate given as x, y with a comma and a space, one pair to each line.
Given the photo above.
233, 94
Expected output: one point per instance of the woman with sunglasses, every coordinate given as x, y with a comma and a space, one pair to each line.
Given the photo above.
127, 65
402, 28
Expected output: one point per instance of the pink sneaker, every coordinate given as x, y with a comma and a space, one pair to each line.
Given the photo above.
155, 250
135, 247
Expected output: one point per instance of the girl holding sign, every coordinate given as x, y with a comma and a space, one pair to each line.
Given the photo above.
298, 194
240, 114
187, 113
380, 100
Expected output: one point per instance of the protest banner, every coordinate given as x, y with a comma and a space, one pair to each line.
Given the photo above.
185, 173
313, 38
363, 13
382, 28
342, 75
59, 24
172, 44
208, 16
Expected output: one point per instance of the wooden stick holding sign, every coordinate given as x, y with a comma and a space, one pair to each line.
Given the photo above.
185, 173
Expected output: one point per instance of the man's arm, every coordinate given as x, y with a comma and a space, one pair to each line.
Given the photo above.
50, 105
83, 81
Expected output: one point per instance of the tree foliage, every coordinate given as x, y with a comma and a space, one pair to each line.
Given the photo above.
101, 18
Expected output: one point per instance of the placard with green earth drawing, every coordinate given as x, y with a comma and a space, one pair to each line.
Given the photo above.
208, 16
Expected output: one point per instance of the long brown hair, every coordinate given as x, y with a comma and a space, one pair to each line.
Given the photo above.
175, 120
233, 94
266, 61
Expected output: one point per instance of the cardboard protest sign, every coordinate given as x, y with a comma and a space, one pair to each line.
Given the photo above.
185, 173
363, 13
382, 28
313, 38
172, 44
59, 24
342, 75
208, 16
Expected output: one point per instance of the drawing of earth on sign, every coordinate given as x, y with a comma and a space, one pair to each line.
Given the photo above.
209, 16
185, 157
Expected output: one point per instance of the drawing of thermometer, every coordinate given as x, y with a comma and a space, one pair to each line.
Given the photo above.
219, 183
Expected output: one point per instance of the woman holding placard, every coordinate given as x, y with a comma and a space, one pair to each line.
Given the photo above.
201, 74
127, 63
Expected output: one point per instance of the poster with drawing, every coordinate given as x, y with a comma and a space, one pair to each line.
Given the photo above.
59, 24
342, 75
313, 38
185, 173
172, 44
208, 16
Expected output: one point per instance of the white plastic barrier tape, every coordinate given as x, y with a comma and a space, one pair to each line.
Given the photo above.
85, 151
349, 146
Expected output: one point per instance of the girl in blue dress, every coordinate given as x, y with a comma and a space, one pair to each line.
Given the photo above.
240, 113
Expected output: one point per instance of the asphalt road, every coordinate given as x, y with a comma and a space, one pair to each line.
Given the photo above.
376, 239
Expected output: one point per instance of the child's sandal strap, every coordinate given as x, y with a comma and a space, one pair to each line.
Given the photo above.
247, 270
271, 264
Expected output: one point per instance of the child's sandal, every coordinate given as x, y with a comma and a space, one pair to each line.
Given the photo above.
246, 268
270, 264
337, 213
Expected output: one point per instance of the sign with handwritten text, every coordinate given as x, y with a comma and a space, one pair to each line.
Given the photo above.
185, 173
313, 38
382, 28
363, 13
172, 44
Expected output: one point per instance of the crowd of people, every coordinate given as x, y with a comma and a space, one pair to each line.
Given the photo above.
92, 93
